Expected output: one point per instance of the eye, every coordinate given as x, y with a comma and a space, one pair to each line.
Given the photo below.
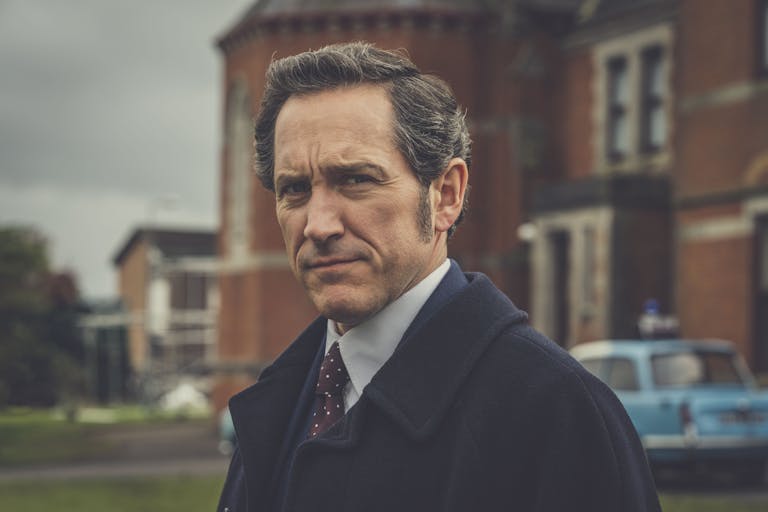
357, 179
294, 188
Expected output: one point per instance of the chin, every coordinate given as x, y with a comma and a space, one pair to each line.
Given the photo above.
346, 316
346, 311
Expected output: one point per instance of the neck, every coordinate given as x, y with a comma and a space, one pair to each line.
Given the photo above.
342, 328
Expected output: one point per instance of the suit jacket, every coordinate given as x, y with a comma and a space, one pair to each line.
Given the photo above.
474, 411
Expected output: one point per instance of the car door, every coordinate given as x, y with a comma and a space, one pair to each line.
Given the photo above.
622, 375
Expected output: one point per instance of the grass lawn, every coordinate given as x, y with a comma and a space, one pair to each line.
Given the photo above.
193, 494
705, 503
33, 437
40, 436
30, 437
190, 494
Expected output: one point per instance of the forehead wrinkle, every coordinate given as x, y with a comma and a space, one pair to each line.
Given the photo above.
311, 140
307, 115
335, 155
337, 163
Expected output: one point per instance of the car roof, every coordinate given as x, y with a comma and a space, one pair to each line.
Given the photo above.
637, 347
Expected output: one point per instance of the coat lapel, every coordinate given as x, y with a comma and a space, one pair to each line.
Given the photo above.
262, 412
417, 386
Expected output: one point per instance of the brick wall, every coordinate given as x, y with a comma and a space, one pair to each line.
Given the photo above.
576, 126
716, 44
721, 130
715, 292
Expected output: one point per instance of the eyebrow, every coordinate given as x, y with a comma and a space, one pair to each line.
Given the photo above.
355, 167
291, 175
287, 176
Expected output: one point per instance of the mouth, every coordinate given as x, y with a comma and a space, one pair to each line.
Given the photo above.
328, 263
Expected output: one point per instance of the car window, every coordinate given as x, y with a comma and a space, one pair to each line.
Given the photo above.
694, 368
721, 369
621, 374
618, 372
593, 365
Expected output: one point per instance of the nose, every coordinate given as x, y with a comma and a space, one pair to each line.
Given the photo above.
324, 219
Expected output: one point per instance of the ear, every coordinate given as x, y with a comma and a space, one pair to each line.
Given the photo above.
448, 192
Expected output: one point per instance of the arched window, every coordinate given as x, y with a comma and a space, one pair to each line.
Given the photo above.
239, 144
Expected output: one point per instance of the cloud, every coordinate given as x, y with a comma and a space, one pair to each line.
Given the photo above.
85, 230
105, 106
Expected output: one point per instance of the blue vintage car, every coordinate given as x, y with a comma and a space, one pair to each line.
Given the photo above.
693, 402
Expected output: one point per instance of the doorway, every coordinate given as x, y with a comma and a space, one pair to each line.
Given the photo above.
560, 244
761, 294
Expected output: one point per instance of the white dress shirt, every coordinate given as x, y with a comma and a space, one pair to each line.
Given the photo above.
367, 346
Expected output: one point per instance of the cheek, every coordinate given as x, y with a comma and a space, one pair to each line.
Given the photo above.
291, 229
378, 223
394, 228
394, 212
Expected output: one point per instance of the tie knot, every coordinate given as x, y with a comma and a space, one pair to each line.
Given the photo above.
333, 374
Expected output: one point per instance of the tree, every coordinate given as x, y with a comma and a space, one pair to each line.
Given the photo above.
40, 350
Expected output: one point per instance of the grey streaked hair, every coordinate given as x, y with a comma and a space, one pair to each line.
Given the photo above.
430, 127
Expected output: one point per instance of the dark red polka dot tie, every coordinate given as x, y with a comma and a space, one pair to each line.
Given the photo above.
329, 392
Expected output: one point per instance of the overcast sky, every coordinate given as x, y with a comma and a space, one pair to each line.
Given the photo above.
109, 118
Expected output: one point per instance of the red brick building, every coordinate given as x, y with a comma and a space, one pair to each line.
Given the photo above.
630, 137
721, 173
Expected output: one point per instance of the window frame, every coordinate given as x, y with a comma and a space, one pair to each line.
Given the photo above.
238, 171
630, 46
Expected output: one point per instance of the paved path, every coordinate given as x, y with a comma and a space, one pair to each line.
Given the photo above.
168, 449
119, 469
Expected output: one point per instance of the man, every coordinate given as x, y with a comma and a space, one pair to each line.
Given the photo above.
420, 387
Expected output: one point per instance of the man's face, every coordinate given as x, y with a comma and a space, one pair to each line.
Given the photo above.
348, 203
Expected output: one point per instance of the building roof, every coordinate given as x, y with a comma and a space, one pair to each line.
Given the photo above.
171, 242
291, 7
263, 11
600, 20
600, 11
282, 7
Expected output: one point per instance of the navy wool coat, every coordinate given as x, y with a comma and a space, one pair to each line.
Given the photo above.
474, 411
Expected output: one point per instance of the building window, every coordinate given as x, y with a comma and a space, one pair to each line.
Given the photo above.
653, 122
618, 100
189, 291
632, 104
239, 163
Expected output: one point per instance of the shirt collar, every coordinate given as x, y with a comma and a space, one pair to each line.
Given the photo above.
367, 346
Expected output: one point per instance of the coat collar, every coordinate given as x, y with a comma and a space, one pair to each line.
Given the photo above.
417, 386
